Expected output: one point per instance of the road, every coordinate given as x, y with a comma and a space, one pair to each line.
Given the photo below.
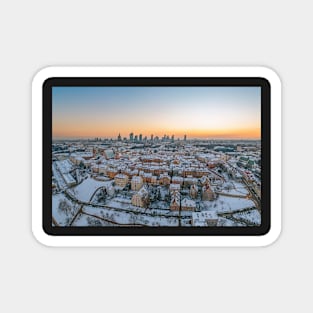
229, 215
253, 194
113, 222
230, 195
89, 203
256, 199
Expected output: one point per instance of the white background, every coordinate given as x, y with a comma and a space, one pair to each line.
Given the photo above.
35, 34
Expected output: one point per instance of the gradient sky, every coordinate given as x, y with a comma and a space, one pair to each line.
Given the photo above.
199, 112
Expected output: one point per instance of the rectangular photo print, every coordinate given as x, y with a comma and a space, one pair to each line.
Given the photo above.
156, 157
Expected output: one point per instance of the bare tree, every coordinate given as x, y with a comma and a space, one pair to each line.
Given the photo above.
64, 206
93, 221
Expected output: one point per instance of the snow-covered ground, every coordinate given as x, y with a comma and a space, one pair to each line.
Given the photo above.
131, 218
86, 220
225, 222
63, 217
227, 204
123, 200
234, 188
252, 216
158, 207
86, 189
122, 204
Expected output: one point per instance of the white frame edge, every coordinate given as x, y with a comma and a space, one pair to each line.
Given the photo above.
156, 241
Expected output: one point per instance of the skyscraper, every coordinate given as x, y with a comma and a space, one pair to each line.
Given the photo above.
185, 137
131, 136
140, 137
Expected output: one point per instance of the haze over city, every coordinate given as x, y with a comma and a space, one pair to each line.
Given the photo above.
198, 112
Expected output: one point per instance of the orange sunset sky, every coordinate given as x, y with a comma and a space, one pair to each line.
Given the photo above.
198, 112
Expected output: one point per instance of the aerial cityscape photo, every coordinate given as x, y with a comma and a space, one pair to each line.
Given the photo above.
156, 156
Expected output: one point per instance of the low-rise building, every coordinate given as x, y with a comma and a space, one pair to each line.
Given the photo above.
175, 200
95, 169
201, 172
193, 191
154, 180
102, 169
174, 187
189, 180
121, 180
188, 205
136, 183
141, 198
165, 179
108, 154
177, 180
69, 179
204, 180
207, 193
111, 172
147, 177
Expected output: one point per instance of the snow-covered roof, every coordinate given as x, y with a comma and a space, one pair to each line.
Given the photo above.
137, 179
121, 176
174, 186
69, 178
143, 192
175, 196
206, 187
188, 203
177, 178
204, 179
195, 187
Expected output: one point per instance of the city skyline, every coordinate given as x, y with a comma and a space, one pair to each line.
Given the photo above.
148, 138
198, 112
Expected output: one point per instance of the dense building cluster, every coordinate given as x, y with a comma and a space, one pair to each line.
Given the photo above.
175, 175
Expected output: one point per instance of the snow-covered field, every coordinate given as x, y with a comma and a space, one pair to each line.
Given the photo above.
227, 204
119, 209
85, 190
131, 218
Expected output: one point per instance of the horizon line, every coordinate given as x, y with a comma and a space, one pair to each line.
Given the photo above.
149, 139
